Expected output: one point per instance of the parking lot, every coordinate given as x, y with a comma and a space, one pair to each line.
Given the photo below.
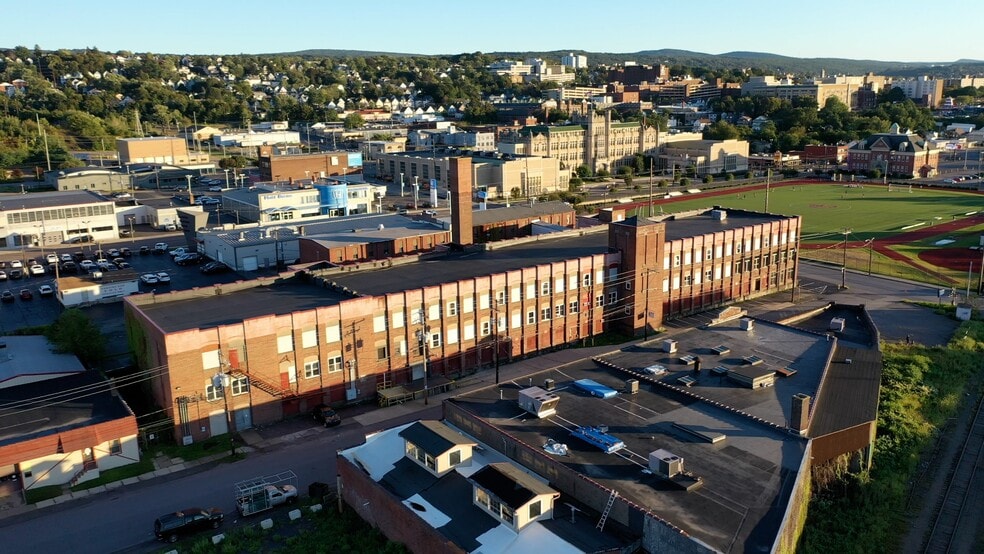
43, 310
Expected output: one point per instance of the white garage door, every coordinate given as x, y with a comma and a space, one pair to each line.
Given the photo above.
249, 264
218, 423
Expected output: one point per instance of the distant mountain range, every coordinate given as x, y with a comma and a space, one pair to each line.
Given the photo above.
774, 63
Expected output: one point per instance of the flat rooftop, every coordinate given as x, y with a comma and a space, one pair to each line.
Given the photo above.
689, 224
445, 503
31, 419
33, 355
434, 270
203, 308
747, 477
51, 199
519, 211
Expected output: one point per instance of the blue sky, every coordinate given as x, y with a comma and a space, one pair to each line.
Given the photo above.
899, 30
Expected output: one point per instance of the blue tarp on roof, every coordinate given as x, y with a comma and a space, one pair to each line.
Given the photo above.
595, 388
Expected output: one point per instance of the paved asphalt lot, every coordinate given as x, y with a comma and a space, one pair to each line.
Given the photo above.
42, 311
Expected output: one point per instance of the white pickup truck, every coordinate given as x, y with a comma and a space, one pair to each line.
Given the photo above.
264, 497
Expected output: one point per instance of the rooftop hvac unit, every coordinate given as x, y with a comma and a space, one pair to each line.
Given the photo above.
747, 324
664, 463
837, 324
669, 346
548, 384
719, 215
538, 402
632, 386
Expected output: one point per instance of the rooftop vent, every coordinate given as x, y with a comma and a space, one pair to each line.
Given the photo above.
719, 215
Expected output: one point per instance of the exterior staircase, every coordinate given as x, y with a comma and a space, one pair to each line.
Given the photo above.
86, 467
269, 388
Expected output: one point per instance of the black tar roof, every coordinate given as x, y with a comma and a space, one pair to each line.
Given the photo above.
690, 224
434, 438
486, 217
453, 266
203, 308
747, 478
24, 417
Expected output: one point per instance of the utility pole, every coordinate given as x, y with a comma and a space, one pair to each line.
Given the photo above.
353, 364
871, 247
768, 181
495, 340
844, 265
422, 343
650, 188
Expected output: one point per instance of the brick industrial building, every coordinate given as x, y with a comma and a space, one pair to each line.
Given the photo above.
290, 164
342, 333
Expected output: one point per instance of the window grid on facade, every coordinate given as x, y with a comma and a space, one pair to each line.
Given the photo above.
312, 369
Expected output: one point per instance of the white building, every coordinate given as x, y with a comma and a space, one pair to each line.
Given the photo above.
574, 61
53, 218
257, 139
273, 202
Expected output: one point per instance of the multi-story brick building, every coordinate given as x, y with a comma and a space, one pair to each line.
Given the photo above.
340, 334
158, 150
895, 153
290, 164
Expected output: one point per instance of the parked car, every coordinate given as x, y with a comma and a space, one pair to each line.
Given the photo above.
26, 294
144, 250
79, 239
212, 268
215, 188
45, 291
122, 195
37, 269
3, 275
53, 258
149, 278
125, 252
76, 257
163, 278
179, 251
16, 264
113, 253
7, 296
191, 258
160, 248
124, 233
15, 274
326, 416
70, 267
169, 527
87, 265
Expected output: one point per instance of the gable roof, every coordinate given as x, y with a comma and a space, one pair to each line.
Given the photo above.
511, 485
433, 437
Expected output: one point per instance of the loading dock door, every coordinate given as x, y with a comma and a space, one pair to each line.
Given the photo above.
250, 264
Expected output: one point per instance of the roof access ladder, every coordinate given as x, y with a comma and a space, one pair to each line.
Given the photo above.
608, 509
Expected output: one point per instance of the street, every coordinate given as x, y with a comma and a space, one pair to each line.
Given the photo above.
123, 519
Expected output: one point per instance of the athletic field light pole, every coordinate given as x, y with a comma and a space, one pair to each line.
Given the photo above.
844, 265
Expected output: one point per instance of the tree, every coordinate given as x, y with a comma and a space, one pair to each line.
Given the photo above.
583, 171
353, 121
73, 332
721, 130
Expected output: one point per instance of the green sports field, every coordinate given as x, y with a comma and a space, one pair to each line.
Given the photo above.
828, 209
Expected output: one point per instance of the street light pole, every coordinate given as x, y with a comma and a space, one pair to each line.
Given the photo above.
129, 219
223, 381
191, 196
844, 265
401, 185
871, 244
227, 176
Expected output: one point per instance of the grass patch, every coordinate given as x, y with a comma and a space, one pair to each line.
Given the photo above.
325, 531
195, 451
145, 465
35, 495
859, 259
921, 388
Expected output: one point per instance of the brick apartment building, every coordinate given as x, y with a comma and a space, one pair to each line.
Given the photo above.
340, 334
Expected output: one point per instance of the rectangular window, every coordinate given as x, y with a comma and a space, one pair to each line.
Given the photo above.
397, 320
382, 351
452, 335
600, 300
687, 280
531, 317
312, 369
401, 347
586, 280
469, 305
686, 258
333, 333
708, 274
573, 306
469, 330
240, 386
560, 310
666, 262
572, 282
309, 338
517, 320
531, 290
559, 284
285, 344
666, 285
454, 457
483, 301
433, 312
515, 294
379, 323
545, 288
599, 277
212, 393
435, 339
500, 297
535, 509
486, 328
210, 360
115, 447
452, 308
545, 314
707, 253
613, 297
334, 363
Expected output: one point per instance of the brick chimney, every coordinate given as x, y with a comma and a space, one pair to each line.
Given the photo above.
460, 184
800, 416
